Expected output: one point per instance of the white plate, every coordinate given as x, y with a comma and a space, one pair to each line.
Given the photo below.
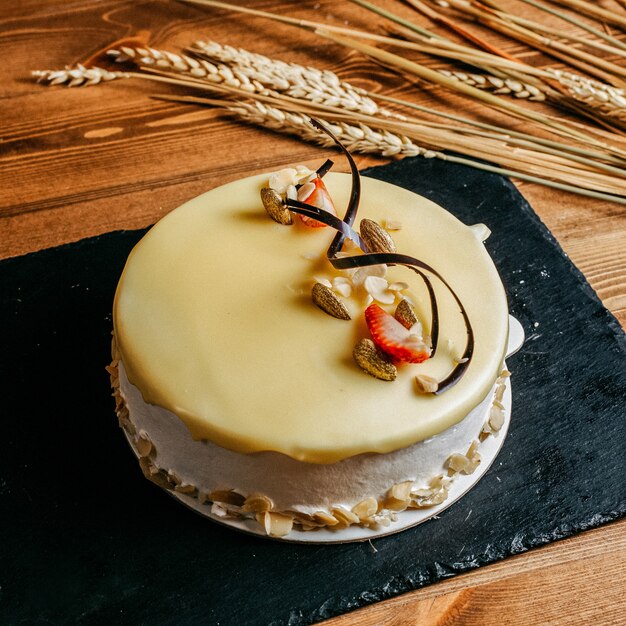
461, 484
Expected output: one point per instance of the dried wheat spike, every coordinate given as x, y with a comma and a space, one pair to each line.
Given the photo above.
297, 81
359, 138
497, 85
77, 76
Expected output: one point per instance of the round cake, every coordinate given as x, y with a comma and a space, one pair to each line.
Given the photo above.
265, 380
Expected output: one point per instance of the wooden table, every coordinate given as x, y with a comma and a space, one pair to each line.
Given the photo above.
79, 162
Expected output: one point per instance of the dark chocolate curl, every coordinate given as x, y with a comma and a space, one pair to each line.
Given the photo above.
355, 191
344, 230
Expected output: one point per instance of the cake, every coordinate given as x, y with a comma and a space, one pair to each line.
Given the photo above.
262, 376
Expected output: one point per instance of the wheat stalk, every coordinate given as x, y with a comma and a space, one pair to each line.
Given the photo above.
77, 76
430, 43
579, 23
592, 64
390, 142
253, 72
362, 138
592, 9
296, 80
497, 85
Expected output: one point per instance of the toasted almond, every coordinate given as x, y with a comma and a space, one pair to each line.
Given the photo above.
371, 360
143, 444
496, 417
399, 496
276, 524
153, 473
275, 206
345, 517
405, 314
401, 491
187, 489
326, 300
426, 384
227, 497
326, 519
457, 463
376, 237
366, 508
257, 503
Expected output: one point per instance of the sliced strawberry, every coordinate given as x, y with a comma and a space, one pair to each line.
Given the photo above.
393, 338
315, 193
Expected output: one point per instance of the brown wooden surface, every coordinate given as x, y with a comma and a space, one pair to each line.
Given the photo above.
79, 162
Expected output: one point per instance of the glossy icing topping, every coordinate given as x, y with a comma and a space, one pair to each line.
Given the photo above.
214, 322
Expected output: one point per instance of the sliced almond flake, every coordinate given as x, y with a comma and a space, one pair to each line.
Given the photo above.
399, 496
257, 503
173, 478
505, 374
277, 524
279, 181
359, 275
398, 286
366, 508
325, 518
401, 491
218, 510
143, 444
342, 285
186, 488
303, 171
500, 393
376, 286
345, 517
496, 418
457, 462
227, 497
292, 192
460, 359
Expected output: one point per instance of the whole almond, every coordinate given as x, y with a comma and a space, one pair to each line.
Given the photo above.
370, 359
275, 206
326, 300
405, 314
376, 237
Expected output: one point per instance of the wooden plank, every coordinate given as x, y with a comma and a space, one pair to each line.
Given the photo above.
76, 163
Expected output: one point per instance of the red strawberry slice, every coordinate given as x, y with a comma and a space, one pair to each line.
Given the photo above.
393, 338
315, 193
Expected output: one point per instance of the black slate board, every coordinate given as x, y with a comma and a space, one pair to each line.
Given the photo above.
85, 539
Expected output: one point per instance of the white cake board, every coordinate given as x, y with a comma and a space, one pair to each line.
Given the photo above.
460, 485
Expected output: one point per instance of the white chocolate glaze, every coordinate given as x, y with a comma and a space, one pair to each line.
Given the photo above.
214, 323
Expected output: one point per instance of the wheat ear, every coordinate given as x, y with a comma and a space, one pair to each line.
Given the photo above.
362, 138
77, 76
298, 81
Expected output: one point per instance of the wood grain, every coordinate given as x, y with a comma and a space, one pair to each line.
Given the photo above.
80, 162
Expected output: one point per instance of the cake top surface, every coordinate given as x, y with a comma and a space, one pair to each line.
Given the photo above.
214, 321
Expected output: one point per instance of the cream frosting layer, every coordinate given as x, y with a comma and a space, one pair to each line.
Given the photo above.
214, 322
290, 484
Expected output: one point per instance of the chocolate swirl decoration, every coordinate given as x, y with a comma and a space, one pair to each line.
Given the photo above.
344, 230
